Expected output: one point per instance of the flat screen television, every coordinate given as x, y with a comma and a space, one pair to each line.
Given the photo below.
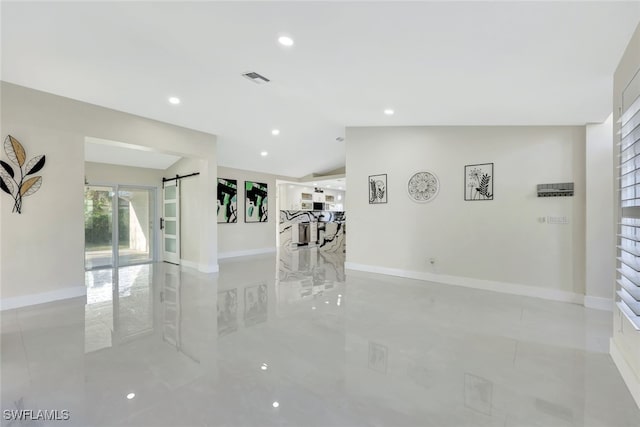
318, 206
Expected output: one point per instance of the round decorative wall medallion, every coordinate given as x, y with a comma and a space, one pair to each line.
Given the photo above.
423, 187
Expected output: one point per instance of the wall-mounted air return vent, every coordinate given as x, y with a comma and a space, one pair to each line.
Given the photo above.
255, 77
555, 190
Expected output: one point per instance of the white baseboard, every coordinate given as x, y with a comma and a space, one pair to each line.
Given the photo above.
487, 285
203, 268
208, 268
190, 264
598, 303
629, 377
33, 299
233, 254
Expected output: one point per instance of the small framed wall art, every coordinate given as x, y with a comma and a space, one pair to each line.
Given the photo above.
478, 182
255, 207
378, 188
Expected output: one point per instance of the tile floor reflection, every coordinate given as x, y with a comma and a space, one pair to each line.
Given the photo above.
290, 339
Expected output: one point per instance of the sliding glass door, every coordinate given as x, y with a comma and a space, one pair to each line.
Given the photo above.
135, 225
118, 225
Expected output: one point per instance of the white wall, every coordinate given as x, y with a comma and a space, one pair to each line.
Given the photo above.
492, 244
103, 173
291, 194
600, 249
43, 249
242, 238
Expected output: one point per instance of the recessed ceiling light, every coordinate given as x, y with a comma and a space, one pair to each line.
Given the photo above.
173, 100
131, 396
264, 153
255, 77
285, 41
264, 366
275, 132
275, 404
389, 112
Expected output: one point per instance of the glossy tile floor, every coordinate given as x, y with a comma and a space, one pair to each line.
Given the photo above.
157, 345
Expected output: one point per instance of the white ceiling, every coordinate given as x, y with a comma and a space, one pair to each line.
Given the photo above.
435, 63
339, 184
115, 153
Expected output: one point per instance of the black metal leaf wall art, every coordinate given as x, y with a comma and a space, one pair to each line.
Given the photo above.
19, 183
484, 186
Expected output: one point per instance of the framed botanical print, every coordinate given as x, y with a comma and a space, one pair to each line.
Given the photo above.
378, 189
478, 182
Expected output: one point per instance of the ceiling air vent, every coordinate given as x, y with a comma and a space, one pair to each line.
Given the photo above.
255, 77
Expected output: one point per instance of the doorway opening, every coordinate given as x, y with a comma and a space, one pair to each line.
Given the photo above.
312, 213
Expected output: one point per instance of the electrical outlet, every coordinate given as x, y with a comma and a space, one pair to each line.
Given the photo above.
557, 220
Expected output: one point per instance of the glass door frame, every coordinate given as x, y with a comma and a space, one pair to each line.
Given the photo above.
172, 257
153, 221
114, 225
115, 229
